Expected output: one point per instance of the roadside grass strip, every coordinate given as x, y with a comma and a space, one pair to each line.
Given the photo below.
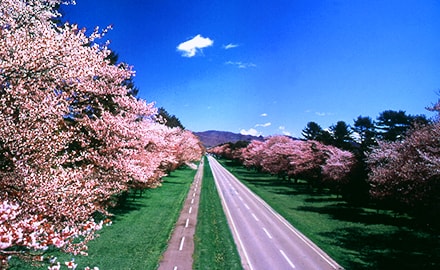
214, 245
356, 237
140, 231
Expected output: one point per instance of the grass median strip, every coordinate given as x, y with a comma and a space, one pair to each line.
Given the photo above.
214, 244
140, 231
356, 237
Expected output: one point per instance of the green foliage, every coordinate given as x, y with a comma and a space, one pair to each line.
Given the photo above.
393, 125
356, 237
214, 245
342, 135
312, 131
141, 228
170, 120
364, 127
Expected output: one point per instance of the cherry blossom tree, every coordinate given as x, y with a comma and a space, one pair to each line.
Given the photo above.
338, 167
223, 150
275, 157
309, 160
405, 174
251, 156
71, 134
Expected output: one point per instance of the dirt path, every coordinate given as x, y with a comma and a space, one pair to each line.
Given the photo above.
178, 255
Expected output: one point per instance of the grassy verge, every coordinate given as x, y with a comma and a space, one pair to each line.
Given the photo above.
357, 238
140, 230
214, 245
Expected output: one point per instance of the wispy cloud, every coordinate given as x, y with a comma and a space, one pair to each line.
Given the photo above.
263, 114
263, 125
323, 113
251, 131
284, 131
241, 64
190, 47
230, 46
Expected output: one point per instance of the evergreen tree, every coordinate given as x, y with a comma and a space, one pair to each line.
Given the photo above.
169, 120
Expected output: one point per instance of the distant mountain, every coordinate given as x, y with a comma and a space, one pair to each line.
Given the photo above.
214, 137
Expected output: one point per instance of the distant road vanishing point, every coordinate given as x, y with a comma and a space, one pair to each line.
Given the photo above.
264, 239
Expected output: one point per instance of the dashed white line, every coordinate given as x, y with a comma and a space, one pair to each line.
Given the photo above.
267, 233
194, 194
190, 210
187, 222
175, 268
192, 201
287, 259
247, 206
255, 217
181, 243
241, 199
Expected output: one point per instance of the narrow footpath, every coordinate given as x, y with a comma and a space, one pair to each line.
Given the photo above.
178, 255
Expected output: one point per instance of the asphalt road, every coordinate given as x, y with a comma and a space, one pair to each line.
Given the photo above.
264, 239
178, 255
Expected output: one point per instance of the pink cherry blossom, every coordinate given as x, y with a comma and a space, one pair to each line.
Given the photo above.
71, 137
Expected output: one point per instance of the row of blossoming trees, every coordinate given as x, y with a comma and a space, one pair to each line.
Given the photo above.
71, 134
403, 175
313, 161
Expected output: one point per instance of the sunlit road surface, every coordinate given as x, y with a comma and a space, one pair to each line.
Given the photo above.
264, 239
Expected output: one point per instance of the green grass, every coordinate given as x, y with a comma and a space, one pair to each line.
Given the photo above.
357, 238
140, 231
214, 245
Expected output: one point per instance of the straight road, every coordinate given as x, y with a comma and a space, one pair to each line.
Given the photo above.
264, 239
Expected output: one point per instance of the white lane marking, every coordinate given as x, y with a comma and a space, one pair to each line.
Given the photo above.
190, 209
247, 206
268, 234
255, 217
241, 199
192, 201
181, 243
187, 222
175, 268
305, 240
194, 194
287, 259
228, 213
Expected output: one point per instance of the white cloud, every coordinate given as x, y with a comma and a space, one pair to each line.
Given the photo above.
287, 133
190, 47
263, 125
324, 113
241, 64
284, 131
251, 131
230, 46
263, 114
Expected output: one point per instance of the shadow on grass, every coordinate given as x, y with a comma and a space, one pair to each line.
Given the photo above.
367, 239
342, 211
401, 249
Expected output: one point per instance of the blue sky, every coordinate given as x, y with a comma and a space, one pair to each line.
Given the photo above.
270, 67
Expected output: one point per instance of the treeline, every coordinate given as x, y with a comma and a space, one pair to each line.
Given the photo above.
391, 163
72, 133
